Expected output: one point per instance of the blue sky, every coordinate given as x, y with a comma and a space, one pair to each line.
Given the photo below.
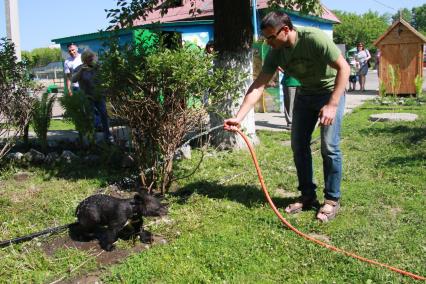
43, 20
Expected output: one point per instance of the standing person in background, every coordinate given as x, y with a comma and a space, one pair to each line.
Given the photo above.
86, 76
362, 56
378, 54
311, 57
290, 88
70, 64
353, 77
209, 49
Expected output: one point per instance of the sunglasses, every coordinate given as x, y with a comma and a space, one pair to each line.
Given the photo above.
271, 37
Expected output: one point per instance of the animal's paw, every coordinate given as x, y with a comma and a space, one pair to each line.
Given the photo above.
108, 247
146, 237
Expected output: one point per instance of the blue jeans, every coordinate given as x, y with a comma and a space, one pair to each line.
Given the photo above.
305, 116
99, 111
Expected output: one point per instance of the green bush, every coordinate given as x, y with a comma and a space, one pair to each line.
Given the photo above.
394, 79
160, 92
15, 100
78, 111
41, 116
418, 82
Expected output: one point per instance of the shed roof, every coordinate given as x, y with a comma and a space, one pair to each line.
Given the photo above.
97, 35
394, 25
206, 7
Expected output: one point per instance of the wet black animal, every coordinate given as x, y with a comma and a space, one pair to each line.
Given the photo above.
104, 217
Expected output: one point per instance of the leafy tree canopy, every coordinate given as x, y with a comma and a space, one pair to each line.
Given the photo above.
419, 18
39, 57
406, 14
356, 28
128, 11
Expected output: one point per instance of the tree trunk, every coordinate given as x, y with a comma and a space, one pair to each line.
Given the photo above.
243, 61
233, 41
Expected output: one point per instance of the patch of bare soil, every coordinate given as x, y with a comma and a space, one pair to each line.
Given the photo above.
286, 194
320, 237
30, 192
103, 258
21, 176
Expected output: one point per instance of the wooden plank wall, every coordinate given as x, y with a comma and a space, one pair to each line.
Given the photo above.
404, 49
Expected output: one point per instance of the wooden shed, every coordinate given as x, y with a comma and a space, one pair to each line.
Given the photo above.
402, 47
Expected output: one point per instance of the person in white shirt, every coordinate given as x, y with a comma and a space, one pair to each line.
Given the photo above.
70, 64
362, 56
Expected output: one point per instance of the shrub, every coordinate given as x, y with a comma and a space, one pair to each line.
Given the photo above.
15, 101
78, 111
159, 92
418, 82
394, 79
42, 114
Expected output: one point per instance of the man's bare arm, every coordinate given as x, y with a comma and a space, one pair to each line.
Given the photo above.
328, 112
253, 94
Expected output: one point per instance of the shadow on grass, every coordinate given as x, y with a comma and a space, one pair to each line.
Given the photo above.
102, 162
248, 195
407, 161
408, 135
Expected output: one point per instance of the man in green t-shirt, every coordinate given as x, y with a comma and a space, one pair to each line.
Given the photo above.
311, 57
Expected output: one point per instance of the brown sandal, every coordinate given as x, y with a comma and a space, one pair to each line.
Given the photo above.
302, 203
328, 211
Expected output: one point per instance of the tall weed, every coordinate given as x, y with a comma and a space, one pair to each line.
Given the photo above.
41, 116
78, 111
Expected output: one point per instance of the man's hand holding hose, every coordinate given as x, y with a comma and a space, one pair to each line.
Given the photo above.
231, 124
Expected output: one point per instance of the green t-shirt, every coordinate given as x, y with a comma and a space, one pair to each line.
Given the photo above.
307, 60
291, 81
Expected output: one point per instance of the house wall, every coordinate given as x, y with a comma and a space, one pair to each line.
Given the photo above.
198, 35
95, 44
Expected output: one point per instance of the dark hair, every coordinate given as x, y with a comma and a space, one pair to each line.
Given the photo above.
360, 44
209, 44
71, 44
276, 20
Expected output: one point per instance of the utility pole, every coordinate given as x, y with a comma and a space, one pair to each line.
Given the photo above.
254, 17
12, 25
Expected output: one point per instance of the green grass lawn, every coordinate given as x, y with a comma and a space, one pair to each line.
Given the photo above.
56, 124
223, 231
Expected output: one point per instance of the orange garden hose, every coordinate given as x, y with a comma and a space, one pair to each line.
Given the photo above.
291, 227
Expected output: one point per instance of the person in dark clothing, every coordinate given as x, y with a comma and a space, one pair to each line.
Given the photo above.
85, 75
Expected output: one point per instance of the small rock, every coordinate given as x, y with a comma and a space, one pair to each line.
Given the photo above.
51, 158
34, 156
68, 156
15, 156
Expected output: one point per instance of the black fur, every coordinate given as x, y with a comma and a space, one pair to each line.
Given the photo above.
104, 217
